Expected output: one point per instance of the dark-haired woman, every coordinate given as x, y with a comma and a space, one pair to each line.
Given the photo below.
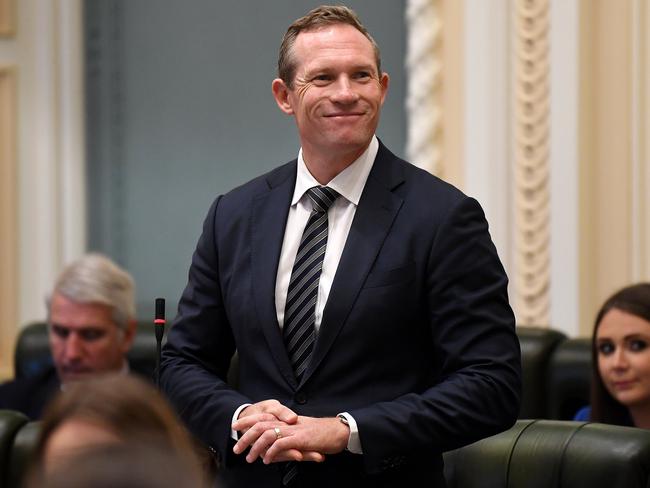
620, 387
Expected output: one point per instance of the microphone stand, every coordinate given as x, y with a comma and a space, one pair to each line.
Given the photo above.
159, 328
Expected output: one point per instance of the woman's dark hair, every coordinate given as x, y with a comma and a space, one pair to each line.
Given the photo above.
635, 300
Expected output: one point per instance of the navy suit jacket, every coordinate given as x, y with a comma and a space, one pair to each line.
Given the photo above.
30, 395
417, 340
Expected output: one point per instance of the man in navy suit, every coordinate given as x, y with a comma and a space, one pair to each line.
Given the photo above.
367, 347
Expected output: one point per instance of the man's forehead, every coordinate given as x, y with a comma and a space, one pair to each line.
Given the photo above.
63, 303
81, 326
70, 314
332, 36
333, 57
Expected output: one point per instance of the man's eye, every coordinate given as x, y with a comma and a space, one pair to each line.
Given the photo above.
91, 335
638, 345
321, 78
606, 348
362, 75
60, 332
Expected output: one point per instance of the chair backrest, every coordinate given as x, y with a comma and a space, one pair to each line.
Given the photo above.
569, 378
537, 346
553, 453
32, 353
20, 458
10, 424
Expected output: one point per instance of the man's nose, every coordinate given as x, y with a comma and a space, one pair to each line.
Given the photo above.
344, 91
73, 347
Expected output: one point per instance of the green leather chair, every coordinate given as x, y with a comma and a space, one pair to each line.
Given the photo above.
553, 453
11, 425
569, 378
21, 454
537, 346
32, 352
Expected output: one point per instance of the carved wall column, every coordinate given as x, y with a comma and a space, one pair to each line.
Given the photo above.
424, 65
435, 90
532, 200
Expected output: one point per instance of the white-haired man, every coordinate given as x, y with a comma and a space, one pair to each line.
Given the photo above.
91, 328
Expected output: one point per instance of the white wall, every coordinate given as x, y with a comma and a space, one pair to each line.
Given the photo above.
47, 54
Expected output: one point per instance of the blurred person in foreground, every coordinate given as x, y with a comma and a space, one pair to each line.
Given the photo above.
620, 384
364, 297
138, 465
114, 412
91, 326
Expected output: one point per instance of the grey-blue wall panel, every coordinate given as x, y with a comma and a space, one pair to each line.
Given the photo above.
179, 109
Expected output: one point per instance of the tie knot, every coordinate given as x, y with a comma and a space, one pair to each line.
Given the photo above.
322, 198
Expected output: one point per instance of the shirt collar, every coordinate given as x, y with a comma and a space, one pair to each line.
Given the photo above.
349, 183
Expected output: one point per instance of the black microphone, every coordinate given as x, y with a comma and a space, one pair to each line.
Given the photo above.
159, 327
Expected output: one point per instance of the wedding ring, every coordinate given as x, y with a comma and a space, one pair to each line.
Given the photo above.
278, 434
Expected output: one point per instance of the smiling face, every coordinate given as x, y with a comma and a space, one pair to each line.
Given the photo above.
85, 340
336, 95
623, 345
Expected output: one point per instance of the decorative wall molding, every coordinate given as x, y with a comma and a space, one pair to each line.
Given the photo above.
8, 220
424, 97
531, 113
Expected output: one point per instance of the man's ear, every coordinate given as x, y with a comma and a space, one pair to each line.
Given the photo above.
281, 95
384, 81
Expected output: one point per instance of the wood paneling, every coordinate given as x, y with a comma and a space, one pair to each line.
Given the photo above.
8, 220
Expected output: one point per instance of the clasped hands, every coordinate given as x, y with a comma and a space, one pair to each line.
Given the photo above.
275, 433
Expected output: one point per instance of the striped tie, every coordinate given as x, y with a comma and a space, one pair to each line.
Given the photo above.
300, 311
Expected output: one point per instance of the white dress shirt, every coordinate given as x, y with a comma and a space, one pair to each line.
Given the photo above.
349, 184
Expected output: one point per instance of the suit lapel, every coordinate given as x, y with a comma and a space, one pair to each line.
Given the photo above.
269, 219
373, 219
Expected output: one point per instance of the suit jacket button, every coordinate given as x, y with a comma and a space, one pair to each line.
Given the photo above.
300, 398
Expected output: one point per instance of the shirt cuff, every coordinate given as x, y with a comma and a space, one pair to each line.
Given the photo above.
235, 416
354, 443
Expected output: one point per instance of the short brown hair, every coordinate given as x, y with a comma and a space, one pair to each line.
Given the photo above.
319, 17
